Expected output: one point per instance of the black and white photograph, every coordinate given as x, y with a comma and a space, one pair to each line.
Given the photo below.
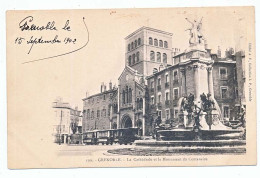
131, 87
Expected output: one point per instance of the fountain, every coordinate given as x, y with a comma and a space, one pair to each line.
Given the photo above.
198, 121
200, 117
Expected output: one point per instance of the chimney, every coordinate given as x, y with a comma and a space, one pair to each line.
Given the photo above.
155, 70
110, 85
101, 88
105, 87
161, 67
219, 52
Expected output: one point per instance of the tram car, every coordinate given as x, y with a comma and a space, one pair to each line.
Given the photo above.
105, 137
90, 138
126, 136
112, 136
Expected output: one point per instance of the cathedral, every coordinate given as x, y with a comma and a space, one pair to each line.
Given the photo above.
156, 76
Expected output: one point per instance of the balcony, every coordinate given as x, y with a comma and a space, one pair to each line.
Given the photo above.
167, 102
159, 87
176, 81
167, 84
152, 106
159, 105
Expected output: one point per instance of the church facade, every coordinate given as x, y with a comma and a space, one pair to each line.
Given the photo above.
156, 76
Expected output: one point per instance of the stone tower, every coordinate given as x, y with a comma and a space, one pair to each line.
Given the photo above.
148, 48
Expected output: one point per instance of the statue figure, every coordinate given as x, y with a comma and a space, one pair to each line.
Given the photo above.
196, 37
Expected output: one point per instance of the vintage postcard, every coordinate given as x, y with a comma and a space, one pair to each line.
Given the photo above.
131, 87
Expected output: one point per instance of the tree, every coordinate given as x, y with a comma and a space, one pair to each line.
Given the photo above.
74, 126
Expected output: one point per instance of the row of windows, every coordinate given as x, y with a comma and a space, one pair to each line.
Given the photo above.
160, 44
175, 79
134, 44
99, 113
223, 92
168, 113
167, 96
134, 58
127, 95
158, 57
225, 111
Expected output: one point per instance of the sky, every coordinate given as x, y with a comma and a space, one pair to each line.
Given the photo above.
220, 27
102, 60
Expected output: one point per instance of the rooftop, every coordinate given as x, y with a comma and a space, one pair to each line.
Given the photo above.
147, 28
99, 94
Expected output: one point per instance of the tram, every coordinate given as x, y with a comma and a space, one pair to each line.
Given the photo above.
127, 136
105, 137
90, 138
111, 136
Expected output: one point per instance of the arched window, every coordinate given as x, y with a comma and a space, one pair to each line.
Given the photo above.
158, 57
161, 43
141, 103
137, 56
155, 42
92, 114
129, 47
88, 113
129, 60
150, 41
137, 104
130, 95
135, 43
165, 44
123, 96
152, 56
164, 58
126, 94
115, 108
139, 41
133, 58
98, 113
132, 45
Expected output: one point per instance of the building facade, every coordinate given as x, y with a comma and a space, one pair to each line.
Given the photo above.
148, 48
156, 77
100, 110
67, 121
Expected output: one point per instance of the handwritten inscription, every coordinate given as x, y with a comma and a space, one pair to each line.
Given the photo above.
29, 24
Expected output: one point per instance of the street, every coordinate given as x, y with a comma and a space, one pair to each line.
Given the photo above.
87, 150
133, 150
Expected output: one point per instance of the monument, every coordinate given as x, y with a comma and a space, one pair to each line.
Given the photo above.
200, 117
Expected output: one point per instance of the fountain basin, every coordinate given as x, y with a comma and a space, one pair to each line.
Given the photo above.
198, 134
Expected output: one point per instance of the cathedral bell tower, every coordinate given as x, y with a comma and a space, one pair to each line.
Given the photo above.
148, 48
